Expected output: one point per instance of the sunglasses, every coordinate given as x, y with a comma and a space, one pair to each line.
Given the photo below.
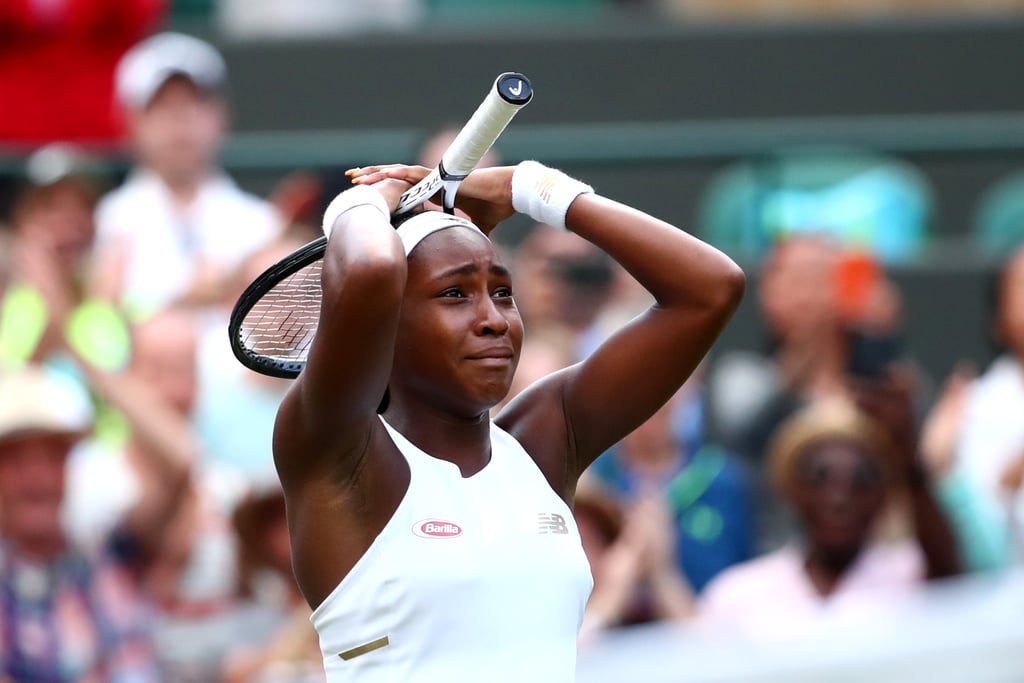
818, 472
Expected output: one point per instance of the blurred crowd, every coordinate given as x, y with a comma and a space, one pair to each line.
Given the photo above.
142, 530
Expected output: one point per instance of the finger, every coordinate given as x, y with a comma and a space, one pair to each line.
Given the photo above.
411, 174
401, 173
367, 174
365, 170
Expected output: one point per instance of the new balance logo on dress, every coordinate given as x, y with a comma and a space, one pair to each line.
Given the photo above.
552, 523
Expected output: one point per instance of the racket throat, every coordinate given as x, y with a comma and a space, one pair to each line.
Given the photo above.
449, 187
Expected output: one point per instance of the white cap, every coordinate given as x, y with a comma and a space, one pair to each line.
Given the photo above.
55, 162
148, 65
33, 399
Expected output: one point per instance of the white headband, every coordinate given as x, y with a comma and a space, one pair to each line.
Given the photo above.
425, 223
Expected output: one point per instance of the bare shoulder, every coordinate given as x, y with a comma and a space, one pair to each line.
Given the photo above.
537, 420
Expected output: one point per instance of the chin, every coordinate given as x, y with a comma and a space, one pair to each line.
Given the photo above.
498, 395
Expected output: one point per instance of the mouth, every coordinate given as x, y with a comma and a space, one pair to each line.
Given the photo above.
498, 359
493, 361
502, 354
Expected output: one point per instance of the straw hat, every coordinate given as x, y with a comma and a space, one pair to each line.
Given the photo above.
826, 420
33, 399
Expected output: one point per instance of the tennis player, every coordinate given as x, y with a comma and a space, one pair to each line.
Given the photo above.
434, 543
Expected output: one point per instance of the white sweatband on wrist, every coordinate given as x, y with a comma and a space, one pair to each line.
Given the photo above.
425, 223
360, 195
544, 194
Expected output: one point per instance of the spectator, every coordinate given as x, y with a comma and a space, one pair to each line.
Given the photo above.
53, 235
980, 520
837, 466
179, 226
193, 573
562, 282
67, 615
631, 555
235, 407
707, 491
285, 647
59, 57
830, 316
752, 393
989, 437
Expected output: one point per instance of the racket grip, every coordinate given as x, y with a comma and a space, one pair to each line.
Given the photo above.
510, 93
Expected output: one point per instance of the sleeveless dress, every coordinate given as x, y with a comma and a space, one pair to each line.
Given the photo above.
472, 579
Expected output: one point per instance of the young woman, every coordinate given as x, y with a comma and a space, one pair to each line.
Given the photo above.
434, 543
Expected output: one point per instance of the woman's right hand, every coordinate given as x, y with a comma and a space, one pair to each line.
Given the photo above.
391, 187
485, 196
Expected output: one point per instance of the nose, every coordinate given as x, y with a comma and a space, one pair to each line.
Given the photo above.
491, 320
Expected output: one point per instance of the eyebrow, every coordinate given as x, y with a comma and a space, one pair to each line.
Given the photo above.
472, 268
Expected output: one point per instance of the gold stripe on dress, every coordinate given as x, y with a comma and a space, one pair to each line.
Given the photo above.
363, 649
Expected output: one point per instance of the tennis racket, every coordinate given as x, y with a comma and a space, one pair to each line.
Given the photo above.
275, 319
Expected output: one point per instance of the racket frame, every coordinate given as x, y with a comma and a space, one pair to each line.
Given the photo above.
300, 258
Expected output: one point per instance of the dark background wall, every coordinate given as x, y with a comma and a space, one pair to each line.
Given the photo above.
635, 72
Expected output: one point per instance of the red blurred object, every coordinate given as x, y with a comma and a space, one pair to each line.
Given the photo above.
857, 277
57, 62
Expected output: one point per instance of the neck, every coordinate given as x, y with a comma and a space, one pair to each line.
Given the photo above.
816, 366
826, 566
184, 187
465, 442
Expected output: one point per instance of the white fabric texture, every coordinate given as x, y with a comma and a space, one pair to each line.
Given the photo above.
545, 194
360, 195
164, 246
479, 578
417, 228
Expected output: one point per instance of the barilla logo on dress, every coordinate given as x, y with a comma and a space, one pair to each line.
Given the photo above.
436, 528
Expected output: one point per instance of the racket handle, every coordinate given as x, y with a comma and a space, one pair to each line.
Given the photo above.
510, 93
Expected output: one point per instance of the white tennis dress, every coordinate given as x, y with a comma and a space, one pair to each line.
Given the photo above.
473, 579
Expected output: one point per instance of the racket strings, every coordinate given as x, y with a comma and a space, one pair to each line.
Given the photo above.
282, 324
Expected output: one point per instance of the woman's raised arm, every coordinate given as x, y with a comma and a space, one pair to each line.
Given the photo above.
588, 407
327, 414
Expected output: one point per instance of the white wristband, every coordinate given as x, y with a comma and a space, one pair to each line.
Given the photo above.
544, 194
360, 195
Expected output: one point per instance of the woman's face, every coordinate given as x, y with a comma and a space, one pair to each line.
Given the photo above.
839, 494
796, 293
460, 333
